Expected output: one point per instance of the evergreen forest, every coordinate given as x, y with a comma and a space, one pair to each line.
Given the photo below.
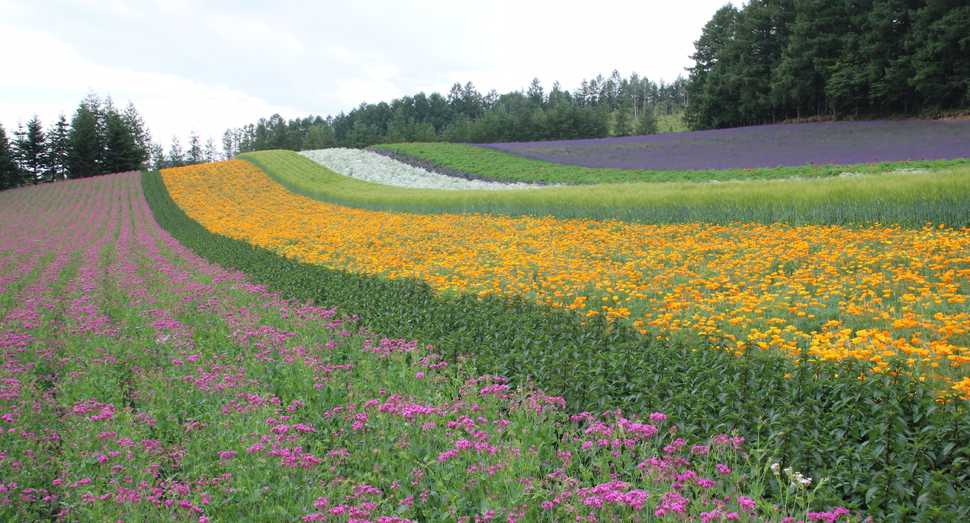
782, 60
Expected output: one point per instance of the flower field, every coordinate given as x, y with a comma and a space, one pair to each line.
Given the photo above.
371, 167
792, 145
141, 383
878, 294
673, 158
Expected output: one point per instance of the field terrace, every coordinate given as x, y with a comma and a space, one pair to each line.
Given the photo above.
872, 293
138, 382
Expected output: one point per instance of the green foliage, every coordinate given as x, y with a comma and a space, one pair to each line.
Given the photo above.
493, 164
32, 151
57, 151
85, 145
99, 139
9, 173
598, 108
780, 59
887, 444
120, 154
907, 199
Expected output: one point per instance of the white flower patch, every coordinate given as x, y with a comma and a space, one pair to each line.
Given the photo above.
373, 167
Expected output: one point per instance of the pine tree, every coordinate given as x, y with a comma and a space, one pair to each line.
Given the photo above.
32, 150
176, 158
9, 172
119, 153
211, 154
646, 122
713, 98
140, 134
57, 150
84, 150
195, 154
156, 157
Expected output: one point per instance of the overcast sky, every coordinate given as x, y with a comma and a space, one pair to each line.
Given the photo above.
208, 65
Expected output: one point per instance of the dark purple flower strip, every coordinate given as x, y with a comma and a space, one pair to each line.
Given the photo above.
762, 146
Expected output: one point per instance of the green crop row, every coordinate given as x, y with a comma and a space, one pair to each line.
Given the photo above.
907, 199
886, 444
500, 165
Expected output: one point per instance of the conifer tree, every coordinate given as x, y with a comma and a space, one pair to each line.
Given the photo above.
176, 158
31, 151
141, 136
57, 150
84, 150
195, 154
9, 172
119, 154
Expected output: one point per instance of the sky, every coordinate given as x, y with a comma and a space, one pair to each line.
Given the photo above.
205, 66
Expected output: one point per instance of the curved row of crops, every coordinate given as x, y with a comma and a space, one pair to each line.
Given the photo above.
909, 199
885, 442
876, 293
495, 161
370, 167
141, 383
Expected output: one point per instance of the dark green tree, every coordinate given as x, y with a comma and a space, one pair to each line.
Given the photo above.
176, 157
319, 136
465, 100
557, 96
753, 54
646, 122
536, 95
120, 153
713, 94
940, 43
196, 153
156, 157
230, 143
816, 42
9, 172
141, 136
31, 151
211, 153
84, 144
889, 64
57, 150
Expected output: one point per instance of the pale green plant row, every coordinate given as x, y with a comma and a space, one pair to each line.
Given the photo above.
907, 199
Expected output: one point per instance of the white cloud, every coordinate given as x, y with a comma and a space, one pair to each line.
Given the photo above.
170, 105
212, 64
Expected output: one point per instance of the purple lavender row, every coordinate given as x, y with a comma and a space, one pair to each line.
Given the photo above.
789, 145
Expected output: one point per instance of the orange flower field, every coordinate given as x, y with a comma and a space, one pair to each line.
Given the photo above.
874, 293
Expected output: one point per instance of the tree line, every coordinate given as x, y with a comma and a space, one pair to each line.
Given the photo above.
99, 139
598, 108
776, 60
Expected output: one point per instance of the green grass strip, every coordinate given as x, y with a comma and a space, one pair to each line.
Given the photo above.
906, 199
886, 442
502, 165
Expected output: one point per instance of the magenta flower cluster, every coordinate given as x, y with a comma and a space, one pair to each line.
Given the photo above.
138, 383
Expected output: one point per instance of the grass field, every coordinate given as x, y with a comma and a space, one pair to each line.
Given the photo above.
907, 199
